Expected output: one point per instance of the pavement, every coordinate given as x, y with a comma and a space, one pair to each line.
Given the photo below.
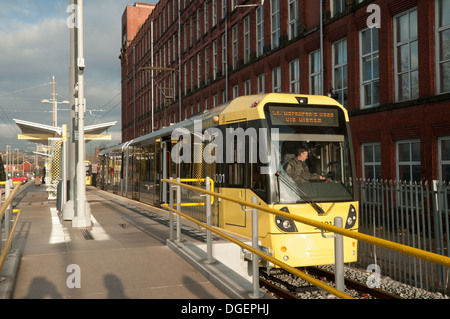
124, 255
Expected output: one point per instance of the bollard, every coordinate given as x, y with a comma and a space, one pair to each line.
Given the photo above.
255, 258
339, 256
210, 258
171, 212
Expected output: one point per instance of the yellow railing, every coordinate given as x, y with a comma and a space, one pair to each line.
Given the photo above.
191, 180
11, 231
432, 257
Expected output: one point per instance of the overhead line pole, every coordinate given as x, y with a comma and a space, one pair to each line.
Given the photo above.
83, 213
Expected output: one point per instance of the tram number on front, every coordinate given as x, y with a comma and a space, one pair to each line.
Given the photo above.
219, 178
328, 222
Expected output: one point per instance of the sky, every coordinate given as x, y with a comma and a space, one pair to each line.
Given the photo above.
35, 46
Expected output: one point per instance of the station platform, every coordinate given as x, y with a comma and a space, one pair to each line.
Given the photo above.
124, 254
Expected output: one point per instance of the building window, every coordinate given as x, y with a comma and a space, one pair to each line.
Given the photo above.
260, 31
206, 64
443, 45
339, 6
214, 12
370, 82
276, 79
191, 33
234, 46
235, 91
199, 66
444, 158
275, 23
406, 56
224, 9
371, 156
224, 54
315, 78
293, 19
206, 17
215, 60
185, 70
247, 87
192, 74
408, 160
294, 76
247, 39
215, 100
199, 26
340, 71
261, 84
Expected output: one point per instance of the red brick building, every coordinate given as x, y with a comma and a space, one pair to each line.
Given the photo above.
392, 77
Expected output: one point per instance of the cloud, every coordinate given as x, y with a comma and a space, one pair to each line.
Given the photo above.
35, 46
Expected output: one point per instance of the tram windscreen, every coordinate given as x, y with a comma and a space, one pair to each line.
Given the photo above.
313, 154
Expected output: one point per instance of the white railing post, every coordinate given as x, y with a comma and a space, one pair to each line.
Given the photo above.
209, 248
255, 258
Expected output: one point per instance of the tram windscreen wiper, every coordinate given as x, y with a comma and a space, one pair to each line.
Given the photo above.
300, 193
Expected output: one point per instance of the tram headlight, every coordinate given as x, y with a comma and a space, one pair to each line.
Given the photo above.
351, 218
286, 225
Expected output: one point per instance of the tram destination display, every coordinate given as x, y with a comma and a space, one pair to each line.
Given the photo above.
281, 115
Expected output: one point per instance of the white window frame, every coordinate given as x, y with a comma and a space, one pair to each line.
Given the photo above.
261, 81
410, 42
374, 81
276, 79
235, 91
442, 162
338, 7
314, 73
409, 163
206, 17
199, 69
259, 31
275, 23
376, 165
292, 19
247, 87
214, 13
294, 76
441, 29
215, 57
247, 39
224, 53
234, 46
340, 72
206, 64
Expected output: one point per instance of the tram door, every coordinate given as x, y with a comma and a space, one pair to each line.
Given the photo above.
233, 179
163, 154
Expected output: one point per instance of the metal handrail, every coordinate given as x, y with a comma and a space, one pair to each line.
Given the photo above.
414, 252
11, 231
253, 250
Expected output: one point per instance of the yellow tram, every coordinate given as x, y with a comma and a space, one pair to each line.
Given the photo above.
248, 146
88, 169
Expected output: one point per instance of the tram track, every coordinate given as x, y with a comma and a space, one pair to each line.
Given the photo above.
285, 286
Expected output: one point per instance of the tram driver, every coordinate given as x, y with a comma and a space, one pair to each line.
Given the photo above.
298, 170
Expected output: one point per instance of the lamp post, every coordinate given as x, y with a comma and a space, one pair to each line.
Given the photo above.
55, 103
